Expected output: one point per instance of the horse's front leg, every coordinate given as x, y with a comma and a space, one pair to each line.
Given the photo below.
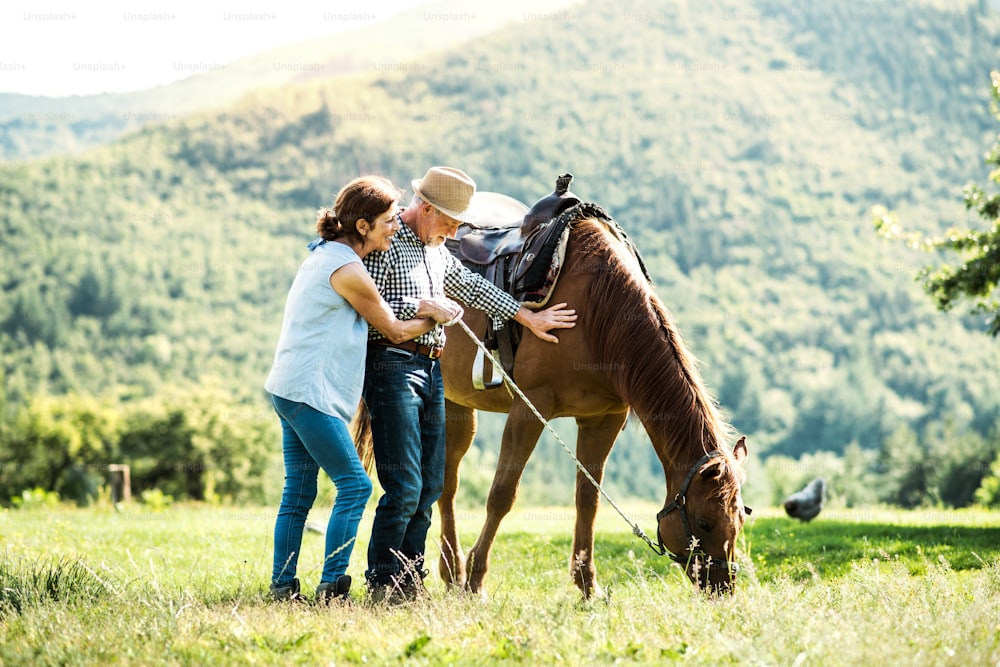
595, 437
461, 428
520, 434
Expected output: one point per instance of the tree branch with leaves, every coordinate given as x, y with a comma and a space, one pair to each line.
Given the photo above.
978, 275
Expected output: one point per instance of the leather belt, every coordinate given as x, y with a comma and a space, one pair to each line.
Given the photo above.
410, 346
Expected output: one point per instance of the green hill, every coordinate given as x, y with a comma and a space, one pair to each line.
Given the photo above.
741, 147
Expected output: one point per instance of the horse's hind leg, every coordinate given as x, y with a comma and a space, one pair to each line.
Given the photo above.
461, 428
520, 435
595, 437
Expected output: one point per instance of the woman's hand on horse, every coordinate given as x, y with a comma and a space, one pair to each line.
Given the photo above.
542, 321
444, 311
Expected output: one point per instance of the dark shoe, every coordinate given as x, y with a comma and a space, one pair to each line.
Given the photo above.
412, 588
331, 591
401, 589
288, 592
386, 594
379, 594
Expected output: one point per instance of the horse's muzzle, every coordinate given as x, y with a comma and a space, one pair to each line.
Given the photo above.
714, 575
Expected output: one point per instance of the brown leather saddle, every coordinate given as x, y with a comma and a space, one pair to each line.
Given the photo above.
522, 256
506, 252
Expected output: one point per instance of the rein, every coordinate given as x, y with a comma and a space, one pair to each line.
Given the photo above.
679, 502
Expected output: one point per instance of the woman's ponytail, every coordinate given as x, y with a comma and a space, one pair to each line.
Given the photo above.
328, 225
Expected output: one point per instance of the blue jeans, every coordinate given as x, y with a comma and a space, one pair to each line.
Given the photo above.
405, 396
312, 440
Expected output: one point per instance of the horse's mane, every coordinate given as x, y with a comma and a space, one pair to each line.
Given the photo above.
633, 332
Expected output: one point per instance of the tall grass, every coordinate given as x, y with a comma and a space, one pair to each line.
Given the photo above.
29, 583
188, 586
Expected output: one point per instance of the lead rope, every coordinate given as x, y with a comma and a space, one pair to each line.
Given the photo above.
636, 529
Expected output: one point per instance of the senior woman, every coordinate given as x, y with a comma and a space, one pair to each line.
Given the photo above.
316, 379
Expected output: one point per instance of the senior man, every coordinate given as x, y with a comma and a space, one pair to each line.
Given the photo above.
403, 388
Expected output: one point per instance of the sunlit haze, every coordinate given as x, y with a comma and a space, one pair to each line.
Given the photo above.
62, 48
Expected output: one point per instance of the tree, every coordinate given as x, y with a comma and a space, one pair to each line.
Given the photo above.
61, 444
988, 493
200, 444
979, 250
97, 294
191, 443
905, 469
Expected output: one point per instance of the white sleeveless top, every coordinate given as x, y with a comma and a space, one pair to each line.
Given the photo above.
320, 357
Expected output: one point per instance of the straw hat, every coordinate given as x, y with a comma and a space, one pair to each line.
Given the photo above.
448, 190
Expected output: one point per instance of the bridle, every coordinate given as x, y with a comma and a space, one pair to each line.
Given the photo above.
707, 563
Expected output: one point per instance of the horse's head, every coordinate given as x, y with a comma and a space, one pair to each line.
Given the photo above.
699, 527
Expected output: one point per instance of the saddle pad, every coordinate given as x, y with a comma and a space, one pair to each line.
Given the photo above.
536, 276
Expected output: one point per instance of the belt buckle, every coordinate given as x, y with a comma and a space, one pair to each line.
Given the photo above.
435, 352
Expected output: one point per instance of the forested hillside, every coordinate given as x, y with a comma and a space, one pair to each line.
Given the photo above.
742, 146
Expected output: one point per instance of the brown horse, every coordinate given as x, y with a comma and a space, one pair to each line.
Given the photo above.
624, 353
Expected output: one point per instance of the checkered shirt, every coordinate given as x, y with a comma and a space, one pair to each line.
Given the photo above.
409, 271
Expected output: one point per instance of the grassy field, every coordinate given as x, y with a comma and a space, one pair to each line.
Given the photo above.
187, 585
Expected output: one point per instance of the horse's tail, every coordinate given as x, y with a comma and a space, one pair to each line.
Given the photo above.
361, 432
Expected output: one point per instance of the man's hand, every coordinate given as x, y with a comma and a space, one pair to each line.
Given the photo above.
539, 322
442, 311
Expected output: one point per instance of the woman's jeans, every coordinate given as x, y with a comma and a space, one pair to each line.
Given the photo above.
312, 440
405, 396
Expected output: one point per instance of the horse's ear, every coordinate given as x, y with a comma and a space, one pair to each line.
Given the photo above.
740, 449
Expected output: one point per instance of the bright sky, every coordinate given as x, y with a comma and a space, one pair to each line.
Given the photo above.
56, 47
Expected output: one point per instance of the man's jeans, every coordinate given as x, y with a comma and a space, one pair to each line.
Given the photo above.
312, 440
405, 396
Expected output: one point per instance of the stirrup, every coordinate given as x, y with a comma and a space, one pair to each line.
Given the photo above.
478, 381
